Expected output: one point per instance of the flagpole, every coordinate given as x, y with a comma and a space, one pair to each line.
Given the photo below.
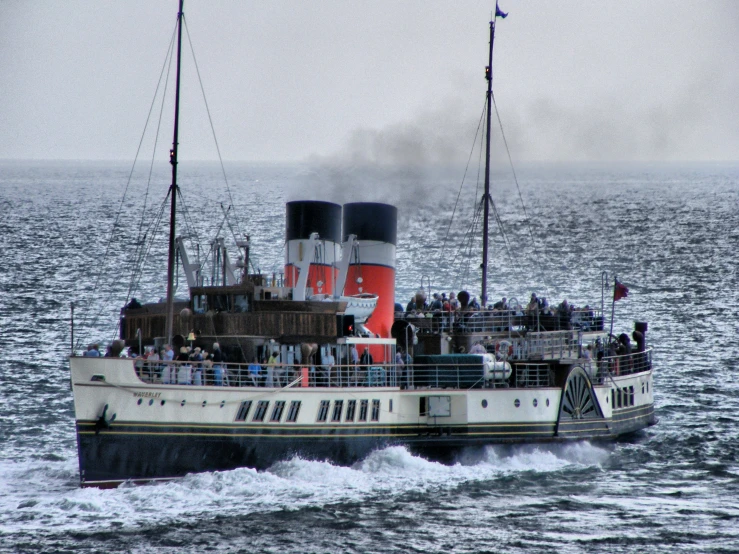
613, 304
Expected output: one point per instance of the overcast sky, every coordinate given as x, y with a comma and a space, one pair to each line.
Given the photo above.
286, 81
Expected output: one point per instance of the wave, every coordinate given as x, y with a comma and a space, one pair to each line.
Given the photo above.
41, 496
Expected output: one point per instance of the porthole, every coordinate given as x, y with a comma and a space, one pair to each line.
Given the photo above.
484, 403
223, 403
162, 402
517, 403
536, 402
547, 402
151, 401
204, 403
182, 403
140, 401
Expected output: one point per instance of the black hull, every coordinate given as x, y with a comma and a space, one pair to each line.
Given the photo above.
136, 452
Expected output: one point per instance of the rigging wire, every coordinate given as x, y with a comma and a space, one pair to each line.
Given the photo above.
159, 126
155, 224
459, 193
210, 119
470, 242
90, 321
141, 254
523, 206
190, 229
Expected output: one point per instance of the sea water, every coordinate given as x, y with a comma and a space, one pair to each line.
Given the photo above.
72, 232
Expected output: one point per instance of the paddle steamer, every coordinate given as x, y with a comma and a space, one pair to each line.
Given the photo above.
339, 371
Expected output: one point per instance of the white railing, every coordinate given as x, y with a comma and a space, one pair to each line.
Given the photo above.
526, 373
502, 321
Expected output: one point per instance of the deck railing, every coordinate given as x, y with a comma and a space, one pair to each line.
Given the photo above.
614, 366
502, 321
525, 373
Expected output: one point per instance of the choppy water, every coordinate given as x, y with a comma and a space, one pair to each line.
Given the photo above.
671, 233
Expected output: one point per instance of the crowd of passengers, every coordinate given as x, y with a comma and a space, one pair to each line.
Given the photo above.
621, 355
195, 366
565, 314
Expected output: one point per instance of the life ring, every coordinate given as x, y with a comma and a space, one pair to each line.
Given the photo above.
505, 347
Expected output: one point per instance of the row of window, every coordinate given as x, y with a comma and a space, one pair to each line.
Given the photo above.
323, 410
622, 397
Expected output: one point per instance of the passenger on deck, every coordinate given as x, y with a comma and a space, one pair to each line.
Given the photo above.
197, 367
640, 358
436, 304
133, 304
453, 301
168, 353
587, 355
166, 368
366, 358
417, 303
219, 370
624, 347
328, 361
533, 306
638, 337
184, 371
408, 376
354, 361
207, 367
255, 371
92, 351
478, 348
272, 378
502, 305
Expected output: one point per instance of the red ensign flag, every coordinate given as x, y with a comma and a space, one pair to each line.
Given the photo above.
620, 291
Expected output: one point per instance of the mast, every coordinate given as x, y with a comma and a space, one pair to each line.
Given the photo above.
486, 195
173, 189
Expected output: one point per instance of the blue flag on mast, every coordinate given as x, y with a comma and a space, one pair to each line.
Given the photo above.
499, 12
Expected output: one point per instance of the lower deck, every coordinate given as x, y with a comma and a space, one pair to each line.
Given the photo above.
128, 429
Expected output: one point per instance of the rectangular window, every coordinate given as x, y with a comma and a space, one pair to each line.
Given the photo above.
631, 395
363, 410
338, 407
391, 406
261, 410
375, 410
351, 407
243, 410
618, 398
423, 406
292, 413
323, 410
277, 411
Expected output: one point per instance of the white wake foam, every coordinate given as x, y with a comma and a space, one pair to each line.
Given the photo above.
35, 497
